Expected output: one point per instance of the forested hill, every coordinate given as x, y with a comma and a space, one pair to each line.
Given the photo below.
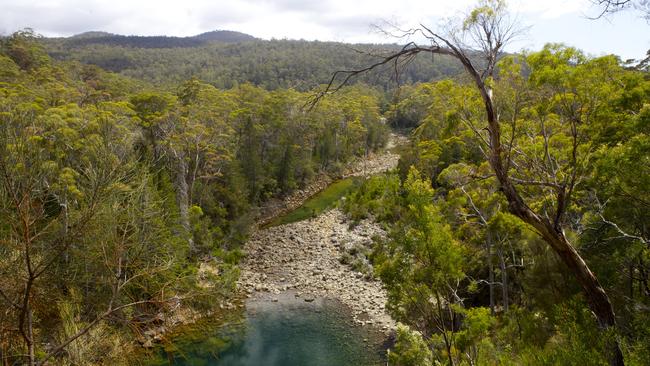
226, 59
88, 38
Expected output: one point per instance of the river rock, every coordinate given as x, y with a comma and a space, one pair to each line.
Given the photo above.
315, 268
307, 253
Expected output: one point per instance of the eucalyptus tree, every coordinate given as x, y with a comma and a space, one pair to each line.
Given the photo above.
76, 214
423, 268
485, 31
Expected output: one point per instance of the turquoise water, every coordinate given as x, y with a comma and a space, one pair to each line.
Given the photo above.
289, 332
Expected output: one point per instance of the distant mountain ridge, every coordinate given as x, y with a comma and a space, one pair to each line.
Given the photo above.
224, 36
92, 34
100, 37
227, 58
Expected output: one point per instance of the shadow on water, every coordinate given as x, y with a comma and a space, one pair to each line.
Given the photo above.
289, 332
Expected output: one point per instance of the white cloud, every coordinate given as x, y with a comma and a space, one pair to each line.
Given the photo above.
338, 20
550, 9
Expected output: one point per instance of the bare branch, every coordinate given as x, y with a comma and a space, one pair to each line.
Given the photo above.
409, 50
89, 326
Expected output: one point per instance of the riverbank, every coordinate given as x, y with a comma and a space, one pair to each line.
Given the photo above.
303, 258
373, 163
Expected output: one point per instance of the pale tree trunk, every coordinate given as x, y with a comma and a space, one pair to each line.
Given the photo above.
495, 35
491, 271
182, 199
554, 236
504, 280
551, 233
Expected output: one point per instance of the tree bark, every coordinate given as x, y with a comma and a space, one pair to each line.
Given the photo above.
30, 336
182, 199
448, 344
553, 235
550, 232
491, 271
504, 280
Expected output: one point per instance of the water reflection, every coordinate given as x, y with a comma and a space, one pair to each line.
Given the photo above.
289, 332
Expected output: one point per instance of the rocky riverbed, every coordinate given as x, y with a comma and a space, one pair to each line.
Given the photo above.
303, 259
366, 166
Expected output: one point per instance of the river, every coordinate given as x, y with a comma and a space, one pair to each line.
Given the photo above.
303, 307
286, 332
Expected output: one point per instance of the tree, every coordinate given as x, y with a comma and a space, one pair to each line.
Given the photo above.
22, 49
423, 267
70, 201
486, 30
613, 6
197, 145
478, 208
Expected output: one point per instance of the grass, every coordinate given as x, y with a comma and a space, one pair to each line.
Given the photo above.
320, 202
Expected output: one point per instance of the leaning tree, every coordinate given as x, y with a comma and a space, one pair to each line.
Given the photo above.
477, 43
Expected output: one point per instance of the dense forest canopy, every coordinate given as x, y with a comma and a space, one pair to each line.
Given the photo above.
133, 169
88, 38
111, 191
218, 60
528, 130
501, 295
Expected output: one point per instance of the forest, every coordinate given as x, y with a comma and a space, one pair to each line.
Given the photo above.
510, 299
134, 170
113, 190
297, 64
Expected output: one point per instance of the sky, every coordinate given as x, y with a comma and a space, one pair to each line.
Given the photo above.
624, 34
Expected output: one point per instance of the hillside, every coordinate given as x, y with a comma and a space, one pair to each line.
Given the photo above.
134, 41
226, 59
210, 202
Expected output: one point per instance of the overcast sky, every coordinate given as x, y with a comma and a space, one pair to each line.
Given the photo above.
624, 34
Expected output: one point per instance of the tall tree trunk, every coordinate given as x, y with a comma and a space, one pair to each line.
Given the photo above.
182, 199
497, 33
30, 335
630, 269
504, 280
443, 330
491, 271
554, 236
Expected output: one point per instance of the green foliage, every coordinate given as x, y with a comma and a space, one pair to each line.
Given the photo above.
110, 192
22, 49
474, 334
320, 202
377, 197
410, 349
272, 65
150, 107
484, 11
501, 296
121, 190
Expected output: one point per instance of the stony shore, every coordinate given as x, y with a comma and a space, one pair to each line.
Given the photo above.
303, 258
369, 165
